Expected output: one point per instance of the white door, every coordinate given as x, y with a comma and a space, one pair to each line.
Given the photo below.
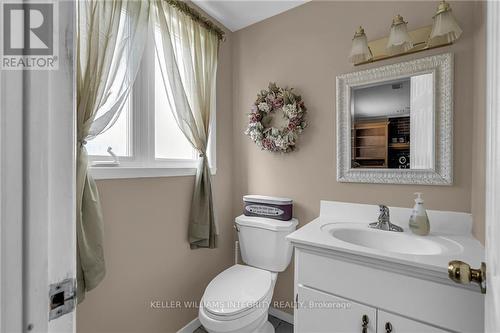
492, 300
11, 202
320, 312
37, 188
391, 323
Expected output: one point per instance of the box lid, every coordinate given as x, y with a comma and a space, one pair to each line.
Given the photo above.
267, 200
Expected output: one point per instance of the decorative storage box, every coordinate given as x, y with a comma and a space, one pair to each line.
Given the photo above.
270, 207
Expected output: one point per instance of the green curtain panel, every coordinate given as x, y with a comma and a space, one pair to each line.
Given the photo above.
110, 42
111, 36
189, 69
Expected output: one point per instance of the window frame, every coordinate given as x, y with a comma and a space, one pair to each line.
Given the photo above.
142, 162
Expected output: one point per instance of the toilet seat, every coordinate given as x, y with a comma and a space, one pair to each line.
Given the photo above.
238, 291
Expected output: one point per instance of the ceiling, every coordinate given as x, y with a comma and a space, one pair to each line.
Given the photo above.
383, 100
238, 14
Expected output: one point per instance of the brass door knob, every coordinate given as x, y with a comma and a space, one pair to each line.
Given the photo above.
461, 272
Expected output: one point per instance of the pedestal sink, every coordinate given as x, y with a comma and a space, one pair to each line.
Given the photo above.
396, 242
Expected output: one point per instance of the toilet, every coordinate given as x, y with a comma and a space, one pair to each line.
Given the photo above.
238, 299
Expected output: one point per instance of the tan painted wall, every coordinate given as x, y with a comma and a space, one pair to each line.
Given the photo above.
306, 48
479, 121
146, 250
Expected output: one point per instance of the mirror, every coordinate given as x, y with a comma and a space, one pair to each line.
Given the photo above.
394, 123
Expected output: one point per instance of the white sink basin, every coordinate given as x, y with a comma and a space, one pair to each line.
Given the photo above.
390, 241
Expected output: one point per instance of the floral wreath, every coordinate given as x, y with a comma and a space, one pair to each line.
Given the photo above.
268, 102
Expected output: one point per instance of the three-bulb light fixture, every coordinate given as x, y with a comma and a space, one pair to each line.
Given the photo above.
444, 31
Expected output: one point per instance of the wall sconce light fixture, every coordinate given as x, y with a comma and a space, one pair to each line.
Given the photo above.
445, 23
400, 41
360, 52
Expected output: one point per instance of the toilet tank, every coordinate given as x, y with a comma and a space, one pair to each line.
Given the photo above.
263, 242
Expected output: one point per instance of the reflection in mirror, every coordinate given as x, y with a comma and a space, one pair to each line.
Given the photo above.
392, 124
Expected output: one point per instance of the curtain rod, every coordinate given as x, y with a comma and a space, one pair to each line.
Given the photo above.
195, 15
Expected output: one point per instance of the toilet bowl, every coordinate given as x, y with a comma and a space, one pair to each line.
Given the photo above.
238, 299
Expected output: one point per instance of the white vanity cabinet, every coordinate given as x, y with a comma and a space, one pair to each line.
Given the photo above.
322, 312
338, 292
352, 278
391, 323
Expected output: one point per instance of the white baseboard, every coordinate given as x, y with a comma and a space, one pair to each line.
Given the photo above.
282, 315
191, 326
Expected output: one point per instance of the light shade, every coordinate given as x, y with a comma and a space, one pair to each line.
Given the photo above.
445, 23
360, 51
399, 39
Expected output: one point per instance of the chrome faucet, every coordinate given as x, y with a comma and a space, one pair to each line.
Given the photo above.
384, 221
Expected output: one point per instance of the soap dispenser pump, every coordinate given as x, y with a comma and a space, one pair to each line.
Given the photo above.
419, 222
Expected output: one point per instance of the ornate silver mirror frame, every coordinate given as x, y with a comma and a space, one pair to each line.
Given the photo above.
441, 66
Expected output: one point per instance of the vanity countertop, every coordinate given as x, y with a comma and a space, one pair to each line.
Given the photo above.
341, 227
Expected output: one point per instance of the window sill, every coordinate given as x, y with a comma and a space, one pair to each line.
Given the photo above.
120, 172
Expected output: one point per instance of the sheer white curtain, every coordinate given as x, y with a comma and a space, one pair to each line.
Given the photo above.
110, 42
188, 67
422, 122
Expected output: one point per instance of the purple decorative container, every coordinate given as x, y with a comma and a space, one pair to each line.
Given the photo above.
270, 207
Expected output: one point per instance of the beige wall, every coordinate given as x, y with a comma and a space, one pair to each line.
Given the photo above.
306, 48
146, 249
479, 136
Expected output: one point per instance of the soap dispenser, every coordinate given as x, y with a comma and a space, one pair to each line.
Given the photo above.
419, 222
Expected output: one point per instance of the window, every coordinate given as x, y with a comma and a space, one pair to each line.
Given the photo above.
146, 138
117, 136
170, 142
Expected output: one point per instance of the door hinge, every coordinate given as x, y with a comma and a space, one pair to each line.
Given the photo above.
62, 298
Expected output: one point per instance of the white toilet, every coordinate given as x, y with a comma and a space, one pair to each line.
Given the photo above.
238, 299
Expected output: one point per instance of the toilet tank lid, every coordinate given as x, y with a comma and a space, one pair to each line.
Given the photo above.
267, 223
267, 200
